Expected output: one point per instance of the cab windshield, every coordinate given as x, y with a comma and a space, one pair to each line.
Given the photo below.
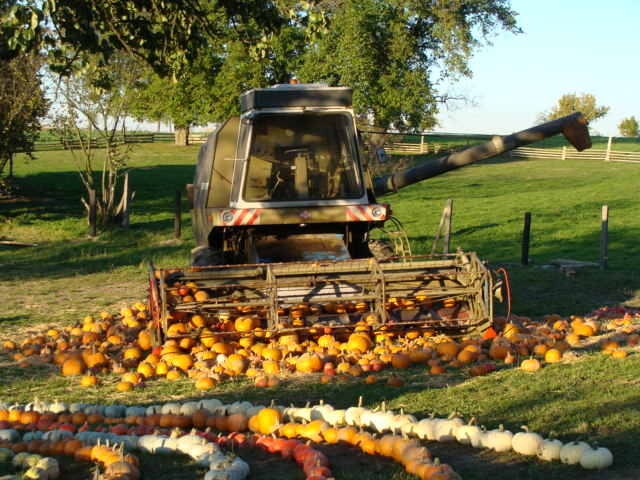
302, 157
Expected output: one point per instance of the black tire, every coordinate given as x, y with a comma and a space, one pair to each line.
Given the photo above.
381, 250
205, 257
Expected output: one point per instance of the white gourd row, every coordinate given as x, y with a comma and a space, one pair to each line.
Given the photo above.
380, 420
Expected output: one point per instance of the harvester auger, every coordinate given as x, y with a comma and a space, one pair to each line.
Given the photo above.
283, 205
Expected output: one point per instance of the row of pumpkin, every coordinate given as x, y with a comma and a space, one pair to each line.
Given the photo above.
318, 423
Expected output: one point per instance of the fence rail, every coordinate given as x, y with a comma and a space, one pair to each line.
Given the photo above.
194, 138
565, 153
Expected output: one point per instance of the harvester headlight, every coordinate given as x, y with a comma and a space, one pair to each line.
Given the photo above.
227, 217
377, 212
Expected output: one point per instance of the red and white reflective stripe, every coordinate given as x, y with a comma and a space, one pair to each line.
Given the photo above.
245, 216
366, 213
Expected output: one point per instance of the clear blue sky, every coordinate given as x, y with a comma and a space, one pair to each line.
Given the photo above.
567, 46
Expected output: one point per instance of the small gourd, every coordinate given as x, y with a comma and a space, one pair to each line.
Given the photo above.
596, 458
499, 439
526, 442
570, 452
549, 449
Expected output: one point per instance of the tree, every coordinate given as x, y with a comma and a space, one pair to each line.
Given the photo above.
629, 127
22, 104
185, 101
165, 34
389, 51
394, 52
89, 124
569, 103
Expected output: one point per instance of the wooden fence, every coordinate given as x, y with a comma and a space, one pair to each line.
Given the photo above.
194, 138
605, 155
564, 153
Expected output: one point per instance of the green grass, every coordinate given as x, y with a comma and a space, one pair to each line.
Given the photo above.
70, 275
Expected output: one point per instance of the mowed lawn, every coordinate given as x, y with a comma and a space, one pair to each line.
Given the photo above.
69, 275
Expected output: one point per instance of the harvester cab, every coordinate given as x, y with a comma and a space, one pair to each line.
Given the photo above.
284, 182
282, 206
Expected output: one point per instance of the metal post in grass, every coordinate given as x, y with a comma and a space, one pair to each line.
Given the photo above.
178, 218
604, 236
447, 227
526, 235
445, 223
92, 213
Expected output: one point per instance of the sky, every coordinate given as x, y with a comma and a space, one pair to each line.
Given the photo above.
567, 46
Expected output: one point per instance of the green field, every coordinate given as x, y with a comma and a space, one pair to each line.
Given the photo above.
69, 275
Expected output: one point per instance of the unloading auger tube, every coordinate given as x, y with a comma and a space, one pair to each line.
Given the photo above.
574, 128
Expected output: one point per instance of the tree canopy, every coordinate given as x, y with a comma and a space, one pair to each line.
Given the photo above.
395, 53
629, 127
571, 102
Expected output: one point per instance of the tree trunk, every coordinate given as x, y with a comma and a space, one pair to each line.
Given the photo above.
182, 136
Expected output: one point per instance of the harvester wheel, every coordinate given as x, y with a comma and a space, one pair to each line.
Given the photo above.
205, 257
381, 249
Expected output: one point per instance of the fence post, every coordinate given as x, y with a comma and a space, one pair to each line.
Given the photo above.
604, 236
564, 153
526, 235
126, 207
178, 218
92, 213
607, 156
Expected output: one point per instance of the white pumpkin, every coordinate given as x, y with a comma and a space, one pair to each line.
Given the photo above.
526, 442
11, 435
58, 407
367, 415
135, 411
549, 449
336, 418
465, 432
19, 459
445, 430
171, 408
77, 407
206, 459
35, 473
115, 411
35, 435
479, 438
352, 414
99, 409
187, 442
240, 407
188, 408
596, 458
153, 409
401, 420
382, 421
570, 452
197, 451
57, 435
211, 404
321, 411
50, 466
424, 428
499, 439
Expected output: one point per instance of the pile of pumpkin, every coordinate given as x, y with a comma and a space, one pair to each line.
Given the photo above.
212, 350
287, 431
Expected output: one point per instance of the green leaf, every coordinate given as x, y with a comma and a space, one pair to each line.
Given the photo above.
34, 20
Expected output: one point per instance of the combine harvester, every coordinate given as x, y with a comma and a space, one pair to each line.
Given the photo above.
283, 205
